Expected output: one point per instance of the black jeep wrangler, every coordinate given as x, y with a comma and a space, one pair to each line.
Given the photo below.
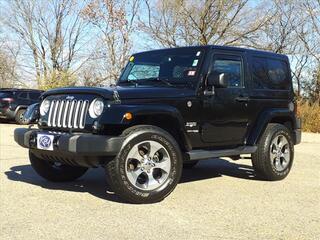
169, 108
14, 102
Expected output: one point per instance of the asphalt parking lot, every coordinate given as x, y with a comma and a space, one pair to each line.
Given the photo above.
219, 199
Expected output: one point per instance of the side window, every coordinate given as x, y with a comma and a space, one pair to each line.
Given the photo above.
278, 73
270, 74
23, 95
232, 65
34, 95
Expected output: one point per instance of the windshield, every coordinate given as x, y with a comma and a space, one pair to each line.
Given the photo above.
170, 66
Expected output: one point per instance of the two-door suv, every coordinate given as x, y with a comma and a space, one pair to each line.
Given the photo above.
169, 109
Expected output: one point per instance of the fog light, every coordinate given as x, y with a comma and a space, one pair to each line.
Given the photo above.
97, 127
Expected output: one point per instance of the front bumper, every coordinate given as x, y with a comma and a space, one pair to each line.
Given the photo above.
80, 144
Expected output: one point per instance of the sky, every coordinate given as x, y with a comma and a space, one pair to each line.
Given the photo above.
141, 41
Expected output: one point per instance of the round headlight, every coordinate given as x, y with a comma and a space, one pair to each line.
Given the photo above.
44, 107
96, 108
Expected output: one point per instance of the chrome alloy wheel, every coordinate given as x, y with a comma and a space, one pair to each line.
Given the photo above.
148, 165
280, 152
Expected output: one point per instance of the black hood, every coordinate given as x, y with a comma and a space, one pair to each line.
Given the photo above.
130, 92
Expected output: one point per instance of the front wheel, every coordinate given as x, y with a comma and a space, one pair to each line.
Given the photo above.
147, 168
274, 156
19, 118
55, 171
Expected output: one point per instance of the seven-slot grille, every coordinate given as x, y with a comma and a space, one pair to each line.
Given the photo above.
68, 113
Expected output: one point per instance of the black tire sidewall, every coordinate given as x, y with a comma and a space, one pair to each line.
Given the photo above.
261, 159
132, 193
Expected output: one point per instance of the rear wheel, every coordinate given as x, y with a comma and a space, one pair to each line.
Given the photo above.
55, 171
19, 118
274, 156
147, 168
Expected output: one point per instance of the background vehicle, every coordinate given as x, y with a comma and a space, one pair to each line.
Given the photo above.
14, 102
170, 107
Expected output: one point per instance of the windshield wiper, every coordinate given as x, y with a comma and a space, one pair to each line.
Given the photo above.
162, 80
165, 81
146, 80
132, 82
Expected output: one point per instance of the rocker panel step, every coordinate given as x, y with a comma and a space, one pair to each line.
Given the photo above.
205, 154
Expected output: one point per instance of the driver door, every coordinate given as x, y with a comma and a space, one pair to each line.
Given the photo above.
224, 113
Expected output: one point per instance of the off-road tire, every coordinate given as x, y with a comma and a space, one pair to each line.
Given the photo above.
261, 159
116, 168
19, 119
49, 171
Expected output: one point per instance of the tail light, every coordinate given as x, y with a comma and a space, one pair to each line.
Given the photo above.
293, 107
7, 100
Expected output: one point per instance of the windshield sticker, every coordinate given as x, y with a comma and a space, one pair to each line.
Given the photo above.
131, 58
198, 53
191, 73
195, 63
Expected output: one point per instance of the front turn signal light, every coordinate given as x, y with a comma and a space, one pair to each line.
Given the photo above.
128, 116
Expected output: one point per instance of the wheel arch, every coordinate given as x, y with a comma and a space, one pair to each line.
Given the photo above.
167, 122
164, 116
281, 116
19, 108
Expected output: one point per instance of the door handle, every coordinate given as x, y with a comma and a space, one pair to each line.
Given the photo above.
242, 99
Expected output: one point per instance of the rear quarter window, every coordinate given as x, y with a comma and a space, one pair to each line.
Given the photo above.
268, 73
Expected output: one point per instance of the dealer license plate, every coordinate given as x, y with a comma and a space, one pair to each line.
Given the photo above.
45, 141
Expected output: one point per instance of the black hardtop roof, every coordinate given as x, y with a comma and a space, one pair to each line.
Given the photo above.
240, 49
19, 90
249, 50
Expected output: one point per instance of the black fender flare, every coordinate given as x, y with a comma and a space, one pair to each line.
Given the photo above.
114, 115
270, 116
19, 107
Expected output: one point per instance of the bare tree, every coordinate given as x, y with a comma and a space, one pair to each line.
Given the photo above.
281, 37
58, 35
7, 70
53, 32
185, 22
311, 87
308, 34
115, 21
278, 34
9, 62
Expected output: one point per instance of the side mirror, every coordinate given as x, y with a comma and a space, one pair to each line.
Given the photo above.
32, 114
218, 80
